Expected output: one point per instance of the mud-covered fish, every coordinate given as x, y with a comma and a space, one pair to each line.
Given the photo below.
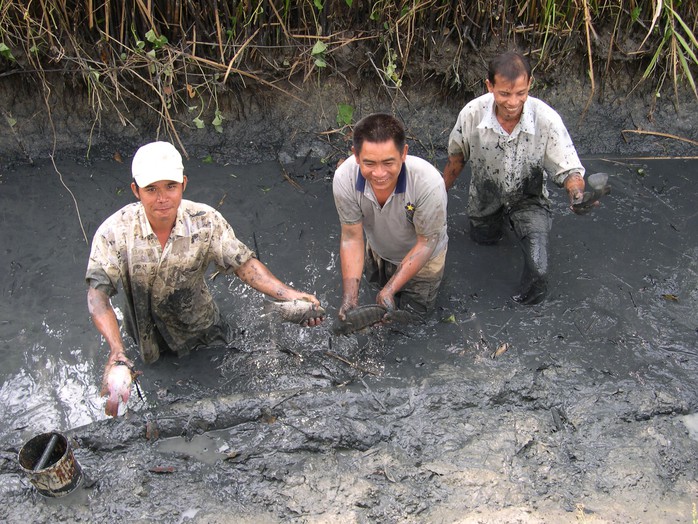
598, 182
364, 316
117, 386
294, 311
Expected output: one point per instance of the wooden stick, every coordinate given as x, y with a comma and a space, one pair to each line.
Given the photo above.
655, 133
349, 363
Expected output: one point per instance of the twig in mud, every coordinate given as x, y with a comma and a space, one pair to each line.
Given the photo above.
503, 326
290, 180
294, 395
220, 202
372, 394
77, 208
632, 299
614, 161
284, 349
349, 363
655, 133
623, 281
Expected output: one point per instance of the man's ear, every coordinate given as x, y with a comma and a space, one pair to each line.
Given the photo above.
184, 183
134, 188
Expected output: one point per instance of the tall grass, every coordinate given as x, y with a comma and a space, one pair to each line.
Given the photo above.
175, 57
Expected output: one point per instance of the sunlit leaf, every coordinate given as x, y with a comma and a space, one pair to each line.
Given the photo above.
199, 123
345, 114
319, 48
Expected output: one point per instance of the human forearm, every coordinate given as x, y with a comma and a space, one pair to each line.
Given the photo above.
574, 185
413, 262
351, 257
257, 275
452, 170
105, 321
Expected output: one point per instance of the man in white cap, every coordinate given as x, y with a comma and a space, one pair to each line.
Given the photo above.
158, 250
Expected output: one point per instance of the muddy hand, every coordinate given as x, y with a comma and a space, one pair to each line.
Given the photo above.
347, 305
386, 299
574, 184
117, 386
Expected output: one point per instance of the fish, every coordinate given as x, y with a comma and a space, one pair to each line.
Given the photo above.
117, 386
364, 316
294, 311
599, 187
501, 350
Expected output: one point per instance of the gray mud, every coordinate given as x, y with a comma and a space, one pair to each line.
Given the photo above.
590, 415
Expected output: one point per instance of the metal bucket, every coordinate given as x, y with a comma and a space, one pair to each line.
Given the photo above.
48, 461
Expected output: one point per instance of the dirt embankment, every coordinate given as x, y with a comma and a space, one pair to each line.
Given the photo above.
299, 119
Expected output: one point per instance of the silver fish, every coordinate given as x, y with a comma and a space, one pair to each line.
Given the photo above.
599, 185
294, 311
364, 316
117, 386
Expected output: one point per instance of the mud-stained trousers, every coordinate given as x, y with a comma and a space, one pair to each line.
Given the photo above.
420, 292
531, 225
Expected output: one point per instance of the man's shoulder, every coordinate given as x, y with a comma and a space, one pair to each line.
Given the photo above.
196, 208
418, 165
423, 172
479, 104
122, 217
542, 109
198, 214
348, 167
346, 173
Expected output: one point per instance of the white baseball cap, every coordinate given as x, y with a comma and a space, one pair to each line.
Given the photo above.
157, 161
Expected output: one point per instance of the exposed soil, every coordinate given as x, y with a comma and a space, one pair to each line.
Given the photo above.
263, 124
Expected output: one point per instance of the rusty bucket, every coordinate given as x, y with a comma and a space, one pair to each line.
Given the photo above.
48, 461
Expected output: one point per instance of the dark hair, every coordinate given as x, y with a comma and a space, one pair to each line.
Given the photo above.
511, 65
378, 128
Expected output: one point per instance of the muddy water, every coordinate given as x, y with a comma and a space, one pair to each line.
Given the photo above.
589, 413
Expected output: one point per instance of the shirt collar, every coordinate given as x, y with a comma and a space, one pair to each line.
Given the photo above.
179, 229
525, 124
399, 188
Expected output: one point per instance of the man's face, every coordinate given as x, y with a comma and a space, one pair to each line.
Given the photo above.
509, 97
160, 200
380, 164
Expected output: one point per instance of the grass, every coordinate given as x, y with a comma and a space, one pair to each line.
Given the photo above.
173, 59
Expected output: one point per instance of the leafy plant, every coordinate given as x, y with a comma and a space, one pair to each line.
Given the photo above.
677, 47
318, 53
345, 114
6, 53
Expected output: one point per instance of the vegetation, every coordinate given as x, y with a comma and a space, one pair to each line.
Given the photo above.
177, 57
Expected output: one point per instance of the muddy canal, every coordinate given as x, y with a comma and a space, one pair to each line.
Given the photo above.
589, 416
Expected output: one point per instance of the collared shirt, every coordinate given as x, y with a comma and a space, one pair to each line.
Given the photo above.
165, 289
512, 169
417, 206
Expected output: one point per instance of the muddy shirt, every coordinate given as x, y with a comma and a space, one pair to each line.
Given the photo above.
166, 293
416, 207
511, 170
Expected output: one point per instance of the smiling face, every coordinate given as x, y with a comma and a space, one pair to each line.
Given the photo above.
160, 201
380, 164
509, 96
